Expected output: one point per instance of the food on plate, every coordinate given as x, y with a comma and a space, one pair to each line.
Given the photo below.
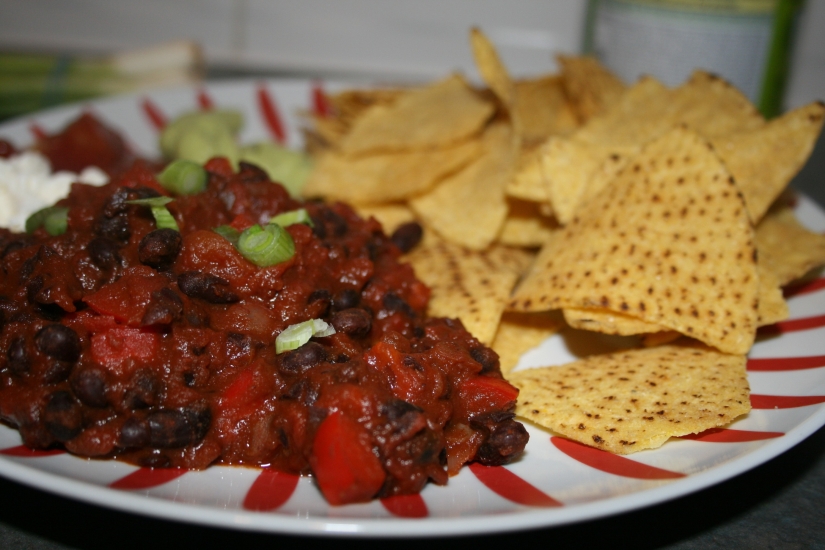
201, 315
641, 211
633, 400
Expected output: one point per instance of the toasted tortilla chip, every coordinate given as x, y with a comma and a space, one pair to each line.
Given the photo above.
519, 332
608, 322
543, 109
772, 305
468, 285
786, 248
526, 226
591, 88
633, 400
439, 115
668, 242
390, 216
764, 161
492, 69
386, 177
469, 208
528, 182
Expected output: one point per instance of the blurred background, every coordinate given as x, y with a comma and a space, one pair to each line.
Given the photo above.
389, 41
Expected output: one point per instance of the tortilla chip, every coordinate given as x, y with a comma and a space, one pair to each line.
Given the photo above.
633, 400
525, 225
543, 109
607, 322
439, 115
492, 69
786, 248
772, 305
591, 88
386, 177
390, 216
519, 332
471, 286
469, 208
764, 161
528, 182
668, 242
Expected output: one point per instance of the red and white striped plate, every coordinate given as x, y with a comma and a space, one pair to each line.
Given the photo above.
556, 482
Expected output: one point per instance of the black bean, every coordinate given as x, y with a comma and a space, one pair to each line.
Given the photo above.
407, 236
57, 371
116, 203
160, 248
143, 390
398, 408
486, 357
251, 173
62, 416
318, 227
89, 385
134, 433
18, 356
59, 342
237, 345
321, 300
164, 308
172, 428
116, 228
395, 303
505, 438
205, 286
303, 358
345, 299
104, 253
335, 221
353, 321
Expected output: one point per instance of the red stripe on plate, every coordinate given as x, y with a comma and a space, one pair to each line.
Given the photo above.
793, 325
272, 118
320, 103
146, 478
406, 506
204, 101
270, 491
508, 485
786, 363
804, 288
610, 463
722, 435
25, 452
153, 113
785, 401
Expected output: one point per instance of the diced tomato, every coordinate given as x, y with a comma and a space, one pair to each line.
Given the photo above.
127, 298
116, 346
343, 462
483, 394
241, 222
220, 166
405, 383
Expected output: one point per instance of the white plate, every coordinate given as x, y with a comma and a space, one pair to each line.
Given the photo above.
554, 483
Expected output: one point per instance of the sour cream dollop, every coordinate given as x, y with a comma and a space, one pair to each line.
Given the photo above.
27, 184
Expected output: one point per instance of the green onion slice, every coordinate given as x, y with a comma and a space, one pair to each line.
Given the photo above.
266, 246
229, 233
293, 216
163, 218
295, 336
54, 219
183, 177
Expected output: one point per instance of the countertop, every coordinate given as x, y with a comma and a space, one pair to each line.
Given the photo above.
779, 505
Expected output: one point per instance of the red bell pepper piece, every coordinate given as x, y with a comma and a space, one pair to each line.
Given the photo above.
483, 394
343, 462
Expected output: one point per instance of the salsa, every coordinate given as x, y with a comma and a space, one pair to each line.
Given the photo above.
157, 346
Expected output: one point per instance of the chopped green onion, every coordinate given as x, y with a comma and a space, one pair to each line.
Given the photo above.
265, 246
163, 218
293, 216
229, 233
54, 218
183, 177
295, 336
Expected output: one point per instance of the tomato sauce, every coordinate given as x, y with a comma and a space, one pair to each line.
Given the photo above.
163, 354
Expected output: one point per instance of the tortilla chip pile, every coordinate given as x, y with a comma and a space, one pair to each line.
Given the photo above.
571, 201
